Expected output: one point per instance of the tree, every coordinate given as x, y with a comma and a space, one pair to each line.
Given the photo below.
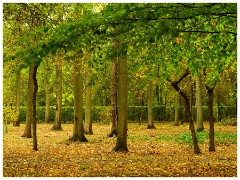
18, 98
176, 123
150, 124
187, 109
113, 128
121, 144
47, 93
88, 120
58, 113
78, 130
34, 97
199, 109
211, 119
28, 132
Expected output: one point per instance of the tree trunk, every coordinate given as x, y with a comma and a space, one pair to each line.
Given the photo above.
187, 110
191, 93
191, 123
200, 126
47, 105
211, 119
88, 120
176, 123
121, 144
58, 113
78, 130
18, 99
113, 128
34, 124
150, 124
219, 117
27, 132
158, 103
165, 105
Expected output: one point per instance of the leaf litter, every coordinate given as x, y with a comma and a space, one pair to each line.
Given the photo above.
148, 154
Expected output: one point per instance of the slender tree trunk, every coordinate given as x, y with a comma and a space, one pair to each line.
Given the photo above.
47, 105
219, 117
191, 123
47, 91
18, 99
78, 130
187, 110
176, 123
165, 105
121, 144
191, 93
200, 126
158, 103
88, 120
211, 119
34, 124
181, 118
27, 132
113, 128
150, 124
162, 112
58, 113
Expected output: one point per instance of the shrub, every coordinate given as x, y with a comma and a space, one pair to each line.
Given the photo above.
135, 114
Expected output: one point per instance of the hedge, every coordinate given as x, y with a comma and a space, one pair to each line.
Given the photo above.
135, 113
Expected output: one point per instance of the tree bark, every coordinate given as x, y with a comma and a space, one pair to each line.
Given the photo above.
27, 132
88, 120
121, 144
18, 99
150, 124
200, 126
211, 119
176, 122
34, 124
58, 113
47, 92
78, 130
113, 127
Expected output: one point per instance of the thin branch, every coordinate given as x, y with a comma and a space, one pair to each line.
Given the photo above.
190, 6
210, 32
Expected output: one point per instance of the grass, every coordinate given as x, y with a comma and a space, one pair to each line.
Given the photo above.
203, 136
164, 137
139, 137
163, 151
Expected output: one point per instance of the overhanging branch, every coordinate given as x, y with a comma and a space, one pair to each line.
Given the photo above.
210, 32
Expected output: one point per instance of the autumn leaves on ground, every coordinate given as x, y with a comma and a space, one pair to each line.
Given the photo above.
163, 151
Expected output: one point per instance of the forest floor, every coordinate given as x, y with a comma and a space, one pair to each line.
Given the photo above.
164, 151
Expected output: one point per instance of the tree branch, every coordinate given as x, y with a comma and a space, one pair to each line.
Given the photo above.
185, 74
210, 32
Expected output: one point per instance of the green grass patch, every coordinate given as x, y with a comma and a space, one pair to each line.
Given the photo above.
203, 136
164, 137
138, 137
225, 138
